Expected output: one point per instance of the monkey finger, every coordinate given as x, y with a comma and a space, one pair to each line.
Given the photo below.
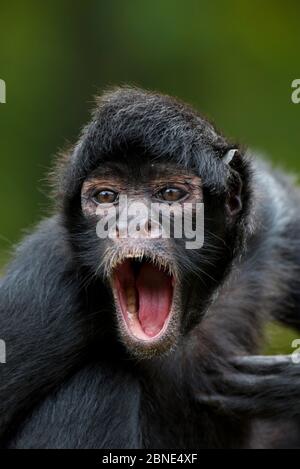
263, 364
230, 405
258, 406
248, 384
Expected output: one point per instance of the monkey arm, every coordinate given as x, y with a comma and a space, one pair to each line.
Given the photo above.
41, 323
256, 386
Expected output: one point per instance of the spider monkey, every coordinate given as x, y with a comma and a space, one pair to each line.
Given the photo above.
140, 342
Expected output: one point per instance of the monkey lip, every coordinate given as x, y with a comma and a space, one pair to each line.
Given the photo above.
145, 294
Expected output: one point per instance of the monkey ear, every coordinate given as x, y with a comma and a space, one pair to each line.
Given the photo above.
234, 197
234, 202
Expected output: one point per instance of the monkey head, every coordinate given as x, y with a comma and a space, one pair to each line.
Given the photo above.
144, 166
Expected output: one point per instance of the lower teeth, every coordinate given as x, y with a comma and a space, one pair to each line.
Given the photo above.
131, 301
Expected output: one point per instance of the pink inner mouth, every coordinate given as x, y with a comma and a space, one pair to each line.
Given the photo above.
145, 296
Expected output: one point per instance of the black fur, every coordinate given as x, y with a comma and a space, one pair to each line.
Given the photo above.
69, 381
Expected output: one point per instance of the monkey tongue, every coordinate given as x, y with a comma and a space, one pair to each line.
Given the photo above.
155, 293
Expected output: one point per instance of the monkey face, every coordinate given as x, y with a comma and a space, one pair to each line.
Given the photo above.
138, 247
151, 272
151, 149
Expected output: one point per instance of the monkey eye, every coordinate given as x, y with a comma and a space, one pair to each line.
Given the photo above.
171, 194
105, 196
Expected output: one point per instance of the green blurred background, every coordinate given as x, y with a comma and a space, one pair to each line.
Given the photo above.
233, 60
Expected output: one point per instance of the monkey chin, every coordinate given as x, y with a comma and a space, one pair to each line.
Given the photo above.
145, 295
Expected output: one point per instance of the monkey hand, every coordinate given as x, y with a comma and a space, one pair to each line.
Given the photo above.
256, 386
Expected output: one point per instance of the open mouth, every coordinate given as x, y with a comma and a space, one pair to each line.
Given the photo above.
144, 293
